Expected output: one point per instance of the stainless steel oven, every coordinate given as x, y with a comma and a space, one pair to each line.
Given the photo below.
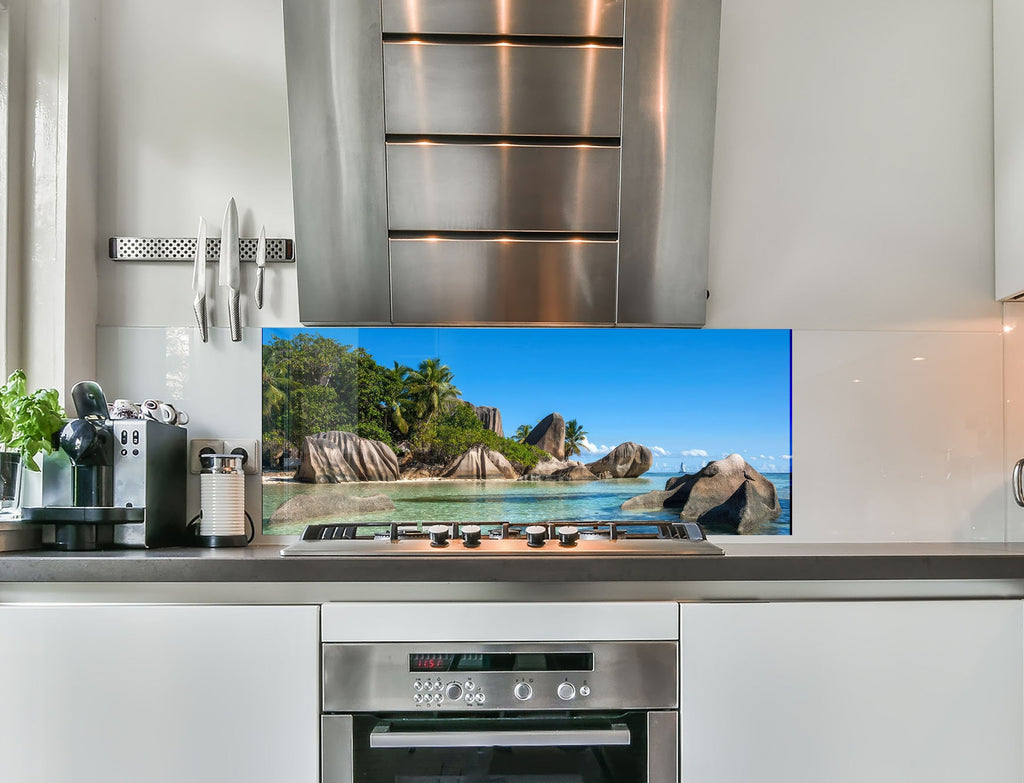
521, 712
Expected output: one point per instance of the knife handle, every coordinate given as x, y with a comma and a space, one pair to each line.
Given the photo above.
234, 317
199, 306
258, 295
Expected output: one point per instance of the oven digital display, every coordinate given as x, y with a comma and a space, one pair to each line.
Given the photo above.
501, 662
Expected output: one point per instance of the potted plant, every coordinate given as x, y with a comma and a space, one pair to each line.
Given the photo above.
28, 423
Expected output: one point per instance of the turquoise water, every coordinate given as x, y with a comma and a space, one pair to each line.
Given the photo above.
520, 502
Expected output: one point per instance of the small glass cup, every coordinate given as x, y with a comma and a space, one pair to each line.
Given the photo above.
10, 484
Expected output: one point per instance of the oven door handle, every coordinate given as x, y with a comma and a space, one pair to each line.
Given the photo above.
382, 737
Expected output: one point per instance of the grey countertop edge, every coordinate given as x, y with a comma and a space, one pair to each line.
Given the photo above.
743, 562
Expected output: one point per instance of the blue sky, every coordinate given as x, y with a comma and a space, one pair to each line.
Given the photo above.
689, 395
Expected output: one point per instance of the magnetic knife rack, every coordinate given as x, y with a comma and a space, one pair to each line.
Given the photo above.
279, 251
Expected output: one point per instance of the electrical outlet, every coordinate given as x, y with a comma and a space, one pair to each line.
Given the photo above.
199, 446
250, 451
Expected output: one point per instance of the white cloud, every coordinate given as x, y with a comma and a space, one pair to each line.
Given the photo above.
786, 456
659, 451
593, 448
693, 453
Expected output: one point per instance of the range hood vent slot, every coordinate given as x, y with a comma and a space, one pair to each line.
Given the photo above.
502, 161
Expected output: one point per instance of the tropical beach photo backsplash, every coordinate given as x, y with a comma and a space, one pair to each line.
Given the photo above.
527, 425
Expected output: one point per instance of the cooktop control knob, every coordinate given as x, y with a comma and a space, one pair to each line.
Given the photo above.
453, 691
438, 535
566, 691
471, 535
535, 535
568, 535
522, 691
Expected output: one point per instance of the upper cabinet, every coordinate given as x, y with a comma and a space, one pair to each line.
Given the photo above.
1008, 117
502, 161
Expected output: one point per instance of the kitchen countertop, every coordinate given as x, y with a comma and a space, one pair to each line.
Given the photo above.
751, 570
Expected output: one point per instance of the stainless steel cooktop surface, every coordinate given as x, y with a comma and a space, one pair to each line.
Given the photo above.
455, 539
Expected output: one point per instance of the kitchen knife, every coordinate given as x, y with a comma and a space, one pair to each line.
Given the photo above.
261, 262
229, 275
199, 282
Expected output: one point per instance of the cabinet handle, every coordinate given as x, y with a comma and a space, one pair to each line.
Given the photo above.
382, 737
1018, 487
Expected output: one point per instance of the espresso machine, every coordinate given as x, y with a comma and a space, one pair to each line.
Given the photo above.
112, 482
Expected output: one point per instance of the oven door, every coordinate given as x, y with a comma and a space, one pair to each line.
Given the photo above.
629, 747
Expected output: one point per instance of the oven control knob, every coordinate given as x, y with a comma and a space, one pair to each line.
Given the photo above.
566, 691
535, 535
568, 535
438, 535
453, 691
522, 691
584, 690
471, 535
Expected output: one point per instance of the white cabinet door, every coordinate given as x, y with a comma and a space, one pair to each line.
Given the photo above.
159, 694
1008, 122
879, 692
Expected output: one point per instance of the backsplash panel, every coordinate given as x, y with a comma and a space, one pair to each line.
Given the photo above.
899, 435
621, 411
940, 429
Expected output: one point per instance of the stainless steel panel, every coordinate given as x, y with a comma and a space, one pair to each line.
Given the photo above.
376, 677
336, 748
493, 281
489, 547
670, 75
597, 18
335, 76
502, 187
502, 89
662, 747
382, 737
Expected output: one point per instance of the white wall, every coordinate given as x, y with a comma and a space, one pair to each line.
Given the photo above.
852, 203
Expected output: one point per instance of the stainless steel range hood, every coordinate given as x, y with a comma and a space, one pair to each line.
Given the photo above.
502, 161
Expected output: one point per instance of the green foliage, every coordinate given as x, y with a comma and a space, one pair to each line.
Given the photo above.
272, 446
318, 409
452, 433
372, 430
432, 390
522, 433
574, 436
377, 387
28, 422
314, 384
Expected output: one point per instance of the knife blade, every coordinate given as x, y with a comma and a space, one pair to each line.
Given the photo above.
229, 274
261, 262
199, 282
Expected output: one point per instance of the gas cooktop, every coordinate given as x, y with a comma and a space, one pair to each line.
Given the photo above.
456, 539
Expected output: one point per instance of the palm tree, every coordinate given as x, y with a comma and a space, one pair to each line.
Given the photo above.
431, 387
574, 437
399, 405
522, 432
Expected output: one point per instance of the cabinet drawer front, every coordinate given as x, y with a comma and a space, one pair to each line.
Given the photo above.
496, 187
502, 89
597, 18
496, 281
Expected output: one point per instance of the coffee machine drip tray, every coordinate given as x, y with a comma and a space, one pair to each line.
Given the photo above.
83, 528
90, 515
